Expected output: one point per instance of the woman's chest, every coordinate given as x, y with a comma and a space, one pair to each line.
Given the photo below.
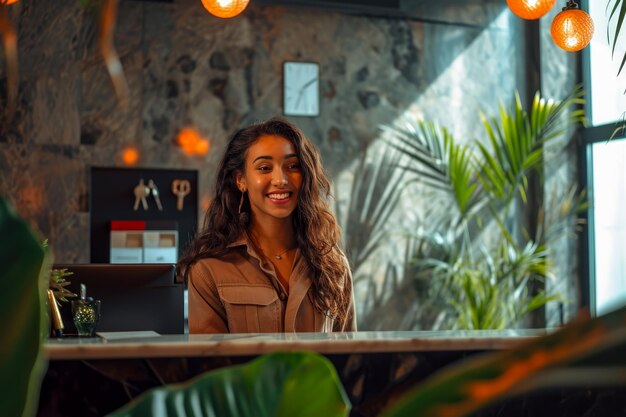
255, 302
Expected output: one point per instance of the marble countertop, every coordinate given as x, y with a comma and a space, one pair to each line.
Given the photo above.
255, 344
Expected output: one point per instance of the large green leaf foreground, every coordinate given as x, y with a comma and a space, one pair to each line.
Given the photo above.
277, 385
21, 366
586, 353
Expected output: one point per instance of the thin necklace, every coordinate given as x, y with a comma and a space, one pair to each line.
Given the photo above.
280, 255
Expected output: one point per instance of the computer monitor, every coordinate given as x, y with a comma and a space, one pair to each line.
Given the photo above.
133, 297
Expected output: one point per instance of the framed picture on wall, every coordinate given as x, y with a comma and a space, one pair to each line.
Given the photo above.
301, 88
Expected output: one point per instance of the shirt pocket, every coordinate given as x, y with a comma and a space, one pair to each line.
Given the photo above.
251, 308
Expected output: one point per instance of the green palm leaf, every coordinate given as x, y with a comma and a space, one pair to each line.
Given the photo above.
463, 389
439, 162
374, 196
467, 193
516, 143
21, 313
274, 385
621, 6
568, 205
423, 144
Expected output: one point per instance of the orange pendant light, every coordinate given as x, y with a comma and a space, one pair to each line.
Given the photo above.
572, 29
7, 2
530, 9
130, 155
225, 8
192, 143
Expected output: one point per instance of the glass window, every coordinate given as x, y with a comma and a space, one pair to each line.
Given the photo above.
609, 223
608, 101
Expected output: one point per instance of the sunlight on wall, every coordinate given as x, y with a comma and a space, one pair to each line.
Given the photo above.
454, 99
460, 92
465, 88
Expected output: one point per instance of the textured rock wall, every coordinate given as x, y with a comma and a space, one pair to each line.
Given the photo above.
559, 77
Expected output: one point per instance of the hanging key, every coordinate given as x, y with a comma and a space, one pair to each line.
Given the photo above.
155, 194
141, 192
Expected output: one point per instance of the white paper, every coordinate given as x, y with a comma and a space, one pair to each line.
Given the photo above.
127, 335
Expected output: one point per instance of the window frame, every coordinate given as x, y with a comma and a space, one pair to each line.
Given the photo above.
589, 135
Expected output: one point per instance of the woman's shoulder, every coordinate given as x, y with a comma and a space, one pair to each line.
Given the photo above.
228, 258
343, 257
211, 270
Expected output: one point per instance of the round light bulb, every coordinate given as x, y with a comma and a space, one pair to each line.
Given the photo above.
188, 139
572, 29
530, 9
130, 155
225, 8
202, 147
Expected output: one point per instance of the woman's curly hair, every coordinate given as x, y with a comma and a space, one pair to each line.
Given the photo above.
315, 226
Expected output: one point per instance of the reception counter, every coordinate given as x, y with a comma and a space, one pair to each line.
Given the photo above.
124, 345
95, 376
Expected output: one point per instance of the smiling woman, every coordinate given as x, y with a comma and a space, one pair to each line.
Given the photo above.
268, 258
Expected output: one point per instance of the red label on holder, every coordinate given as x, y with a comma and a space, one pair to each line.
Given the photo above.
128, 225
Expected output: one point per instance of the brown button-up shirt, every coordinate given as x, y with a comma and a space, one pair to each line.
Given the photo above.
239, 292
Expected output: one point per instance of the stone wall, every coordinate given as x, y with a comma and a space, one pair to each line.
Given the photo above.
559, 77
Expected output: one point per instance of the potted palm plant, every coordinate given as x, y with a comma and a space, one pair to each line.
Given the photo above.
479, 261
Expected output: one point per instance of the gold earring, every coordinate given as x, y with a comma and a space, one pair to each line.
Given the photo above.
241, 200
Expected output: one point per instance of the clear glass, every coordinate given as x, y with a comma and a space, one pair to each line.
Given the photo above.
609, 207
608, 101
86, 315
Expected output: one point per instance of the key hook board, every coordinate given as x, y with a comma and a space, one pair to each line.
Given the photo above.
150, 196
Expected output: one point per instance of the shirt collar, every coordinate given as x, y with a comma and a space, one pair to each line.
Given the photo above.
244, 241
